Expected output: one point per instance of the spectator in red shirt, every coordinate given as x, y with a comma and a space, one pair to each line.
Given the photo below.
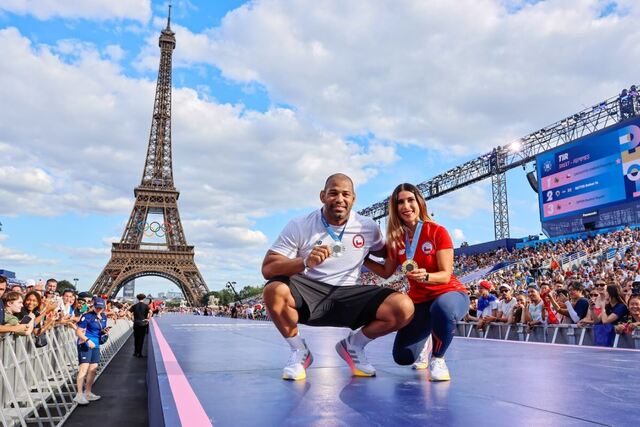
425, 251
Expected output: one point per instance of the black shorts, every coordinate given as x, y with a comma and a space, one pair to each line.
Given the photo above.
319, 304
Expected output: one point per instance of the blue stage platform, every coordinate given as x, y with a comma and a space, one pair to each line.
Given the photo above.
226, 372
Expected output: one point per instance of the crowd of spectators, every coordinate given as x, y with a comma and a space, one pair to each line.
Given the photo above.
544, 258
396, 282
253, 309
601, 289
37, 307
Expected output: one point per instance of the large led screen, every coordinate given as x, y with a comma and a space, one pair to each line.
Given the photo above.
598, 170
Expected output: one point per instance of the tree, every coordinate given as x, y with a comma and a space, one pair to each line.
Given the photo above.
64, 285
250, 291
205, 298
225, 296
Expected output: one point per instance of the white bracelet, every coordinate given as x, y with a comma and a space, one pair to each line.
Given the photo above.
304, 263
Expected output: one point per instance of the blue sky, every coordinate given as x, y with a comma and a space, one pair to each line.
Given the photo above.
269, 98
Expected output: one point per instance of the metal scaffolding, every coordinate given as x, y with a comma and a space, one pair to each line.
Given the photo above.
520, 152
500, 206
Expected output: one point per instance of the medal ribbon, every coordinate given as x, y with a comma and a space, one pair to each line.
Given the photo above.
330, 231
411, 250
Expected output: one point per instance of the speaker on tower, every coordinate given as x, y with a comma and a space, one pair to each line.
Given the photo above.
533, 182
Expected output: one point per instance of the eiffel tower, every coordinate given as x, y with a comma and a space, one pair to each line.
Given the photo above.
171, 258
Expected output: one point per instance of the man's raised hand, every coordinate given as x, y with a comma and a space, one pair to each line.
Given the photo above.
317, 256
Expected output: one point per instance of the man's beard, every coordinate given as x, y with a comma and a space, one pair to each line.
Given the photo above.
338, 215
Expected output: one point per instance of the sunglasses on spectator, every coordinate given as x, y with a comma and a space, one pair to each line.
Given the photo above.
504, 291
601, 285
594, 295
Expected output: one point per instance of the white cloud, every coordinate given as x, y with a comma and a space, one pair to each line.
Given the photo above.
75, 132
10, 257
114, 52
84, 253
92, 130
201, 231
98, 10
458, 235
110, 239
449, 75
463, 203
27, 179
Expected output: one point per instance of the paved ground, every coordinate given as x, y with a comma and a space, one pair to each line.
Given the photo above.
234, 367
124, 394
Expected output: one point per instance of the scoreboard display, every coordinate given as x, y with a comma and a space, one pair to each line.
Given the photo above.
593, 172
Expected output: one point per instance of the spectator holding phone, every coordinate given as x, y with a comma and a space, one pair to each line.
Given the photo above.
576, 307
535, 313
91, 326
65, 316
594, 310
82, 304
545, 295
633, 320
31, 306
613, 308
608, 310
12, 307
559, 300
516, 313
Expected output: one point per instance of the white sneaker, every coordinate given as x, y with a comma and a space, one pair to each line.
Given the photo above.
297, 364
355, 358
92, 397
423, 359
438, 370
80, 399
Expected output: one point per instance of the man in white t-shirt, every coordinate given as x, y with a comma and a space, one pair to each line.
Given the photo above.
313, 269
506, 304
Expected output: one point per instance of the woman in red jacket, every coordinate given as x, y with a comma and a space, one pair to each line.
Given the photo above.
425, 251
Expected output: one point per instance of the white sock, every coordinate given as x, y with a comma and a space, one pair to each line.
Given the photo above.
359, 339
296, 342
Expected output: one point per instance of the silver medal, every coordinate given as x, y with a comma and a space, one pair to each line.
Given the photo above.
337, 249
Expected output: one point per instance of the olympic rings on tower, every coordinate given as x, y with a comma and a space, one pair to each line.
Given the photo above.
154, 228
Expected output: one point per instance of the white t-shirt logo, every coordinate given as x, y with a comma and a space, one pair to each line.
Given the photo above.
358, 241
401, 252
427, 247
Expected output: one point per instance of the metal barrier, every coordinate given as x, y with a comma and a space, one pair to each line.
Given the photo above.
553, 334
37, 385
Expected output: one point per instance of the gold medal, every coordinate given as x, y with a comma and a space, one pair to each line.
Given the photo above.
408, 266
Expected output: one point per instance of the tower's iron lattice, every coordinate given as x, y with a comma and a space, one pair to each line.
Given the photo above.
172, 259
